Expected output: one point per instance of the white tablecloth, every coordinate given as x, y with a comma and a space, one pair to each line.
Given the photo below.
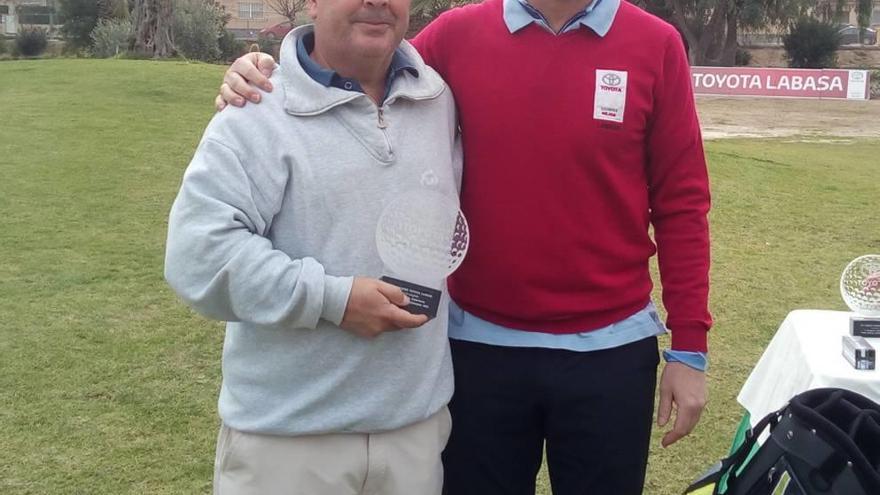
805, 354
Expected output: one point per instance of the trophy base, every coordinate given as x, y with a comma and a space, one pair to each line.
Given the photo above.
859, 353
422, 300
863, 326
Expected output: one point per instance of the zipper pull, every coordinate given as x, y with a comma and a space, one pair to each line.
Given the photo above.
382, 123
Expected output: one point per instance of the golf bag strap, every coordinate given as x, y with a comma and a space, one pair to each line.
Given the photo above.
735, 459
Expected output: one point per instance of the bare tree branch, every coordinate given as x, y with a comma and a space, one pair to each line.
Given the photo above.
287, 8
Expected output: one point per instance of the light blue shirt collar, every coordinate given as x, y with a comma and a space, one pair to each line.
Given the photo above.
304, 45
598, 16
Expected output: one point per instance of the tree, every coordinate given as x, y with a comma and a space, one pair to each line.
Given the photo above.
287, 8
424, 11
834, 10
79, 18
864, 8
152, 24
710, 27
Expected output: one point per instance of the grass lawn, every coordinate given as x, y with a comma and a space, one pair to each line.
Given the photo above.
108, 384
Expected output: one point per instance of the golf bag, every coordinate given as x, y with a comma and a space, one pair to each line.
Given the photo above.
823, 442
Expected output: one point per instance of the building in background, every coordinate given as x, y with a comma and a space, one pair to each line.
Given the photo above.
17, 13
248, 17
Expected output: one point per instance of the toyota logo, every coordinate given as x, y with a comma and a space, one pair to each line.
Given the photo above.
611, 79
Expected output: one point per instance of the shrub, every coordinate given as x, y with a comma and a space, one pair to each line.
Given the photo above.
743, 57
811, 44
31, 42
2, 45
230, 48
111, 37
198, 25
268, 46
875, 84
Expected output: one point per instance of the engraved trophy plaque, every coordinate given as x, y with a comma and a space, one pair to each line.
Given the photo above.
422, 237
860, 288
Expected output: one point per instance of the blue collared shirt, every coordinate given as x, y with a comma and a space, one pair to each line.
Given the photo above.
328, 77
643, 324
598, 16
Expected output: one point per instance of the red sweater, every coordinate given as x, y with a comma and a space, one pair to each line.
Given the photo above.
559, 202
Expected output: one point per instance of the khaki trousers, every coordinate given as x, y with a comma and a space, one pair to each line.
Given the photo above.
405, 461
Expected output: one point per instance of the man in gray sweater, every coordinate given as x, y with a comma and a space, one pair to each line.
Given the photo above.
329, 385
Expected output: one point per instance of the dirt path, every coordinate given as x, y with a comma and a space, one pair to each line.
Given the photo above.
725, 117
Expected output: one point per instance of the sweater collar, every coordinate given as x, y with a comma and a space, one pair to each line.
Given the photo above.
305, 95
328, 77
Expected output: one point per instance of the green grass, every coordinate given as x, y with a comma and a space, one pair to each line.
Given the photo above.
108, 384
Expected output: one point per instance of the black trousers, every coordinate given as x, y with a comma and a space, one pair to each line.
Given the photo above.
593, 409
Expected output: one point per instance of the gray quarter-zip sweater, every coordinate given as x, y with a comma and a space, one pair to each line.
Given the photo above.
276, 213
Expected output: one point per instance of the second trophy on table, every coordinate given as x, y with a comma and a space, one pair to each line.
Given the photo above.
860, 288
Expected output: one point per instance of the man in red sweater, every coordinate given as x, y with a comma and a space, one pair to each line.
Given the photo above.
580, 133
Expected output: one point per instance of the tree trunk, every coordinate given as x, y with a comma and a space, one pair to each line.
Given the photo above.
152, 28
728, 53
700, 45
711, 34
689, 37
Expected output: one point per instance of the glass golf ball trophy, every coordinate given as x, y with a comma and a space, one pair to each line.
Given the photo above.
422, 237
860, 288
